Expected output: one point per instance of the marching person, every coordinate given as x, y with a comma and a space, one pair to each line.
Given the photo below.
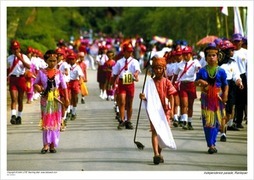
234, 81
240, 56
214, 93
186, 75
47, 83
108, 68
126, 70
76, 76
101, 73
178, 58
158, 94
64, 68
83, 66
17, 63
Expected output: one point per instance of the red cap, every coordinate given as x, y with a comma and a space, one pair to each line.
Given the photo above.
178, 51
128, 47
187, 50
82, 48
15, 44
72, 55
29, 50
60, 51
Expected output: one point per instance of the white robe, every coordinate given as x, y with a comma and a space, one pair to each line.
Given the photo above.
157, 115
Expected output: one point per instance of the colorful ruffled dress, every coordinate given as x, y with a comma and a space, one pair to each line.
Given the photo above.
212, 108
51, 111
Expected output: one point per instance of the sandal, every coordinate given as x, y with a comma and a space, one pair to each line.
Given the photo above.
52, 150
44, 151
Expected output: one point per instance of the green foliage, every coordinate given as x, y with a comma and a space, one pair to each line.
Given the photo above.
44, 26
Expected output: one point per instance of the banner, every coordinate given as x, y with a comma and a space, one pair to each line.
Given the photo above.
224, 10
238, 27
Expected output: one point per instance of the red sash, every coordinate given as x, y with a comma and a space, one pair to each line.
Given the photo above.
14, 63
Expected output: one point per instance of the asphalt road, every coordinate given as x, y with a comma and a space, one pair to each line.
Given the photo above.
93, 148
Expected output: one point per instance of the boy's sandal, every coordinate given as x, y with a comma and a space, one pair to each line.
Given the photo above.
156, 160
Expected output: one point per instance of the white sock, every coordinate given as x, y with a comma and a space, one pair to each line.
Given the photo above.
68, 109
13, 112
65, 114
74, 110
184, 117
223, 134
19, 113
190, 119
175, 117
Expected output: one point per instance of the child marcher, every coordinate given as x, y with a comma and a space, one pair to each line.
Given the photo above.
76, 78
158, 98
108, 68
83, 66
47, 83
214, 93
17, 63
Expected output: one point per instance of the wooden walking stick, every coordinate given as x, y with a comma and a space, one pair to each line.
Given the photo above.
139, 144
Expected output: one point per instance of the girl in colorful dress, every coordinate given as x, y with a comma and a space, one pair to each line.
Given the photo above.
214, 92
47, 83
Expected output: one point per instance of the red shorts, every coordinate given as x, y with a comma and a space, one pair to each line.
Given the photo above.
188, 89
17, 83
128, 89
74, 87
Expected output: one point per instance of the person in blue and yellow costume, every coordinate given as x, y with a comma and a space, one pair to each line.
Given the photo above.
212, 81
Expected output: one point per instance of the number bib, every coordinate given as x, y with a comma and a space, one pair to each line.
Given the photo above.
127, 78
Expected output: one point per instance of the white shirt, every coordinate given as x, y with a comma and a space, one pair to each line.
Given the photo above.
19, 69
190, 74
75, 72
101, 59
240, 57
63, 66
231, 70
170, 69
133, 66
202, 62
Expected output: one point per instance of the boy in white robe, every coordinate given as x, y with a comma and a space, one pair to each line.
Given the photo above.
158, 99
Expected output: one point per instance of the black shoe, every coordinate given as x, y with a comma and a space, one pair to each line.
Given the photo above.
156, 160
239, 126
13, 119
73, 117
82, 101
175, 123
128, 125
232, 128
184, 125
18, 120
121, 125
44, 151
52, 150
211, 150
223, 138
180, 123
190, 126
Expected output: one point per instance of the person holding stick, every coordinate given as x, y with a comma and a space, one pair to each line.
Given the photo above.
159, 94
214, 94
47, 83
